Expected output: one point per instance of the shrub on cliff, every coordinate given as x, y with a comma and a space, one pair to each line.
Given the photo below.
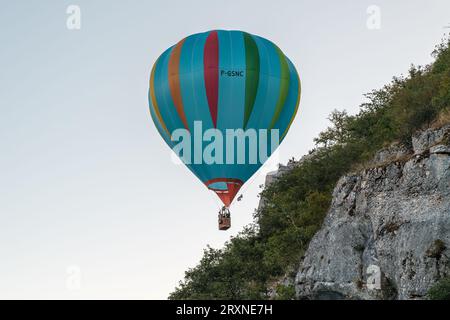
440, 290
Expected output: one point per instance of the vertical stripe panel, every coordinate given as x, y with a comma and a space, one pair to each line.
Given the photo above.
291, 111
158, 125
162, 92
211, 73
231, 80
194, 91
174, 81
153, 103
268, 86
284, 86
251, 75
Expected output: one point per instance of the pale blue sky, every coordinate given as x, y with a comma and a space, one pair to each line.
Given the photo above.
85, 179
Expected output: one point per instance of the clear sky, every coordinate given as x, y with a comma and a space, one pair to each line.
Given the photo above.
91, 204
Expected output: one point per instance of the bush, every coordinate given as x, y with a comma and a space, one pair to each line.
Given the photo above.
440, 290
285, 292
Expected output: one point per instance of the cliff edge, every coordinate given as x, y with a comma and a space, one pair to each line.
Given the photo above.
387, 232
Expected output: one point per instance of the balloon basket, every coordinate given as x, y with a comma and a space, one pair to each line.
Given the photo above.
224, 219
224, 223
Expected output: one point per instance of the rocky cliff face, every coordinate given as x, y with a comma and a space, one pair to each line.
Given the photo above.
387, 232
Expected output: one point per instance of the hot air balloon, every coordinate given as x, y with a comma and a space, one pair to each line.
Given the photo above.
221, 82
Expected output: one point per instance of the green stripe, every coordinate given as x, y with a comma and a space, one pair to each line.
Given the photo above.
251, 75
284, 87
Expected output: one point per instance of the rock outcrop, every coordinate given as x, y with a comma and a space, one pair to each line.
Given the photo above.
387, 232
274, 175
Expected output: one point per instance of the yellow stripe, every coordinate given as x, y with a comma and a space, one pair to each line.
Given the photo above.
296, 108
154, 102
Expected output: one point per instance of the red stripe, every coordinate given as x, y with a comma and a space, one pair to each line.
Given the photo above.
211, 73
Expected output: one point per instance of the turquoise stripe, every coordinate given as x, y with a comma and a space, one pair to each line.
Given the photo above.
187, 94
166, 105
231, 88
158, 125
193, 92
219, 185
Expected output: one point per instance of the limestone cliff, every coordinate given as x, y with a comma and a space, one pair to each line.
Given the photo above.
387, 232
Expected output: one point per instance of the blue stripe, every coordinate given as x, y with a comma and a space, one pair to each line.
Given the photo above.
231, 88
193, 93
158, 125
162, 92
192, 83
218, 186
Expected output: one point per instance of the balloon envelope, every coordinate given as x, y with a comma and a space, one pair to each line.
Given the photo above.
225, 80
